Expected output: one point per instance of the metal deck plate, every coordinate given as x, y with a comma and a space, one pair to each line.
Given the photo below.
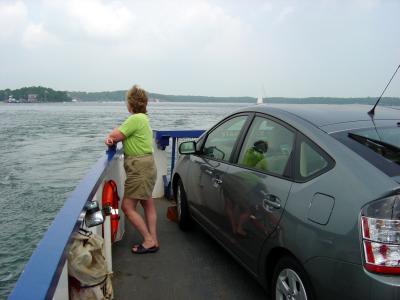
189, 265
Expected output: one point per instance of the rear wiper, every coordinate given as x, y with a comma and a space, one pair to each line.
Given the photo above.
375, 143
387, 150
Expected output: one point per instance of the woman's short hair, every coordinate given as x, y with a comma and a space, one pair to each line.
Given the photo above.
261, 146
136, 98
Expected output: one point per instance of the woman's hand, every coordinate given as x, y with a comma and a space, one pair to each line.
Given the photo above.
114, 137
108, 141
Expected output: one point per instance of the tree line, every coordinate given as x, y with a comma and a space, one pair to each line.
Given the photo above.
43, 94
35, 94
120, 96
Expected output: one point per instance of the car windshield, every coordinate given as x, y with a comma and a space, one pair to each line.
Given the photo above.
384, 141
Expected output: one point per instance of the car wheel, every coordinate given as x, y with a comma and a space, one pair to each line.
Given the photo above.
290, 281
184, 218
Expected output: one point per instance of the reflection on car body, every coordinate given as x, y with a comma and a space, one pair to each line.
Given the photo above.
304, 196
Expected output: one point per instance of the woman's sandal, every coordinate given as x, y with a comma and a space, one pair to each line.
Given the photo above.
135, 246
142, 250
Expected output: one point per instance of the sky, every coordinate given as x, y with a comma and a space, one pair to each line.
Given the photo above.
286, 48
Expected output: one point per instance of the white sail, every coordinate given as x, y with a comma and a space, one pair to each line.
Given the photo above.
259, 100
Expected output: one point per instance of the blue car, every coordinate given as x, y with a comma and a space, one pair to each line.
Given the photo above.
305, 197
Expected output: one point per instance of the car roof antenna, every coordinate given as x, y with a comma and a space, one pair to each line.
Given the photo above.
372, 111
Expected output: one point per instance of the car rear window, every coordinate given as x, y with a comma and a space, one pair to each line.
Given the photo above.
380, 146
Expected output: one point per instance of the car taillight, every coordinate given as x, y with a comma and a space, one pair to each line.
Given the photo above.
380, 227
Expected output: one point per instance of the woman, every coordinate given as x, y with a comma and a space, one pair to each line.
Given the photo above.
136, 136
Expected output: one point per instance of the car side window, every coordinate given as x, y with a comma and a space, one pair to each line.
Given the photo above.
267, 146
311, 161
220, 142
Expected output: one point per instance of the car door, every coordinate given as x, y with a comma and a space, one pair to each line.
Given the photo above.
209, 168
256, 187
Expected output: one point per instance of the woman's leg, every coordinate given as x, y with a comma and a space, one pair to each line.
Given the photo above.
243, 217
229, 210
151, 217
129, 208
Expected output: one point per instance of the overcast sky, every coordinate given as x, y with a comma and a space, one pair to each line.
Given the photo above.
198, 47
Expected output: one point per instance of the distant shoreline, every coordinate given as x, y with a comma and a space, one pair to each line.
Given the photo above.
47, 95
333, 101
120, 96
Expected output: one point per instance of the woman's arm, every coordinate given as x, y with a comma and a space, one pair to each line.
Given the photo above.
114, 136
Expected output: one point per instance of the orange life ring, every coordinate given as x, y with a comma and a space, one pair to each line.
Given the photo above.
109, 202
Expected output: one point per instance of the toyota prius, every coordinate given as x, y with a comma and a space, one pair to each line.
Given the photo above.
305, 197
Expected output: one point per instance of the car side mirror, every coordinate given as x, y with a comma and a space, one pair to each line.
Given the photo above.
187, 147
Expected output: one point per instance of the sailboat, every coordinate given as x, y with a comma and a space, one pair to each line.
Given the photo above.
259, 100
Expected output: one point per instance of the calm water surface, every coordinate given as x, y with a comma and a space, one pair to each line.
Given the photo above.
47, 148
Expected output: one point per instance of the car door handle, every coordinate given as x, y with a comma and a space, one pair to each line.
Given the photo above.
209, 172
271, 201
217, 180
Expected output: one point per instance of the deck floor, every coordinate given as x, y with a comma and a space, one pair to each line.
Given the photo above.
189, 265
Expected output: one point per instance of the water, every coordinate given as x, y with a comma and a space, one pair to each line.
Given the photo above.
47, 148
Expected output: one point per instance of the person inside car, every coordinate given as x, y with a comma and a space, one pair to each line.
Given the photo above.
254, 156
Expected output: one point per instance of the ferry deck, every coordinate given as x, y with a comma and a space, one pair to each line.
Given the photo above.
189, 265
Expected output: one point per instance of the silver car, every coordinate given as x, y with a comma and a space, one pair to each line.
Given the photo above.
305, 197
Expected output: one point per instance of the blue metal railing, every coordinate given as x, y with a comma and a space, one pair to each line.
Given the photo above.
42, 272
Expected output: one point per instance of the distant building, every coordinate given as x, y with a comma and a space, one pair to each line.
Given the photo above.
11, 99
32, 98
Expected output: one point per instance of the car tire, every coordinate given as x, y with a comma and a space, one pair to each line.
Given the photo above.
184, 219
290, 281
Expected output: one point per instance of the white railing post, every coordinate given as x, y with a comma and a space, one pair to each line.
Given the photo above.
107, 243
62, 292
160, 158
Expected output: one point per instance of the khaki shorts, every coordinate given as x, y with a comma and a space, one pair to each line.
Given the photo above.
141, 174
